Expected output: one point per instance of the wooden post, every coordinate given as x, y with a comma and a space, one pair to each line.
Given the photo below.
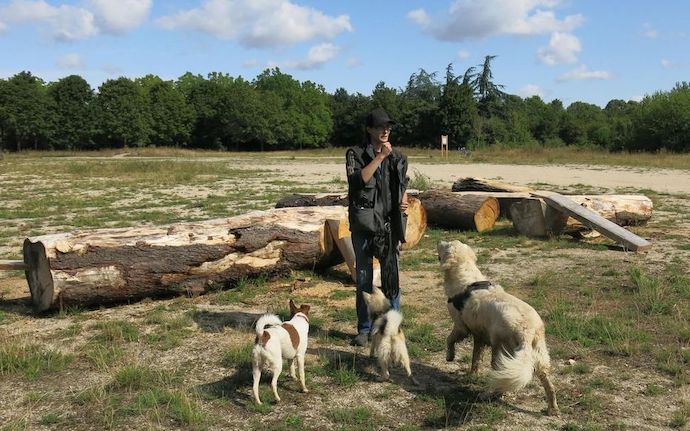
444, 145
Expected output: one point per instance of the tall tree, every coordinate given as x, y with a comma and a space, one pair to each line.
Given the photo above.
349, 111
170, 116
73, 100
419, 118
458, 110
27, 111
121, 113
489, 94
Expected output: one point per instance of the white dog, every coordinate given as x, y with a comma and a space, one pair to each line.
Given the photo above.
387, 338
277, 340
511, 327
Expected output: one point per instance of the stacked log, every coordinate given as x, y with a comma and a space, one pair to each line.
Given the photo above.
416, 215
465, 212
119, 265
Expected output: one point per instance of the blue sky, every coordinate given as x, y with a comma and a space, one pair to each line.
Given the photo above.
589, 50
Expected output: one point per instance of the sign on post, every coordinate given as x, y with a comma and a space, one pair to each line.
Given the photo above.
444, 145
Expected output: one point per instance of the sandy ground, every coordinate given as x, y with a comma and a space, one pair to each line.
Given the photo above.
659, 180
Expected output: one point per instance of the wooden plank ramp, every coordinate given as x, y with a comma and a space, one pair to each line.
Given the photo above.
594, 221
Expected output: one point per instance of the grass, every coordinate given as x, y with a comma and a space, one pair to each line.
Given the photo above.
185, 364
30, 360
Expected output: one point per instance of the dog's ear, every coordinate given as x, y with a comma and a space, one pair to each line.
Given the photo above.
304, 309
293, 308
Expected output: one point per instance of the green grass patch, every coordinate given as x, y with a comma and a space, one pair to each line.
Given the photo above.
353, 418
115, 331
30, 360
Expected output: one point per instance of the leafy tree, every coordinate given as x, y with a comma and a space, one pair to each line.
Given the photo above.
584, 123
489, 95
662, 121
121, 113
168, 113
419, 116
303, 118
349, 112
458, 110
27, 111
74, 123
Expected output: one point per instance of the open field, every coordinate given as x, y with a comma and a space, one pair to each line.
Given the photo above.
617, 322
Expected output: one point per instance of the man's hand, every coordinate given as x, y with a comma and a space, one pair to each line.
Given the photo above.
386, 149
404, 204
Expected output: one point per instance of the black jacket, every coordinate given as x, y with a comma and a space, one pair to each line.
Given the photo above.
362, 196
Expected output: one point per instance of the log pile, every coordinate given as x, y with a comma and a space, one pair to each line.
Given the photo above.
466, 212
119, 265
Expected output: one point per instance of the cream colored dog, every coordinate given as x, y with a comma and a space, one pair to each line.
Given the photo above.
277, 340
511, 327
387, 338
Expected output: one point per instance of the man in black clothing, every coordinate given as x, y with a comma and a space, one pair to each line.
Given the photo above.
377, 183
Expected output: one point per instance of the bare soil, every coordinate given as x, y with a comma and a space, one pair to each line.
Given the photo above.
446, 398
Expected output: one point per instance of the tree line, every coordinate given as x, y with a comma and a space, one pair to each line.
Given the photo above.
277, 112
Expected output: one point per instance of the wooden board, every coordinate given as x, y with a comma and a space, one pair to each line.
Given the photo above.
594, 221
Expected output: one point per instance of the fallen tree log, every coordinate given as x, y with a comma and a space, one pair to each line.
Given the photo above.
119, 265
416, 215
313, 200
470, 184
593, 220
466, 212
538, 220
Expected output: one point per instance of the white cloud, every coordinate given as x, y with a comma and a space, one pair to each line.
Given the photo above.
667, 64
251, 63
469, 19
258, 23
420, 17
70, 61
3, 27
121, 15
649, 31
70, 23
463, 55
583, 73
530, 90
353, 62
316, 57
563, 48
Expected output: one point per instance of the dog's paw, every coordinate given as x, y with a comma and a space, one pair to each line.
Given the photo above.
553, 411
450, 356
305, 390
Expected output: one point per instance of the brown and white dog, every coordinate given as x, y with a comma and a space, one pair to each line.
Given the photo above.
277, 340
511, 327
387, 338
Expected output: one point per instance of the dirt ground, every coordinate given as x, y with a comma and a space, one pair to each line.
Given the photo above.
225, 391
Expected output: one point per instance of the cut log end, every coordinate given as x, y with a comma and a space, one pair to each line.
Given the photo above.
38, 275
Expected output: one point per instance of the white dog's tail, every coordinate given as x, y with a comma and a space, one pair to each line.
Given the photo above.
266, 320
392, 321
514, 372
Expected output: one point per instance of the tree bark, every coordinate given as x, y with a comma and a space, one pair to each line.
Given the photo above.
533, 218
416, 215
470, 184
119, 265
450, 210
312, 200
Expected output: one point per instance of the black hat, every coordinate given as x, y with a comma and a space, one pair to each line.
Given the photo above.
378, 117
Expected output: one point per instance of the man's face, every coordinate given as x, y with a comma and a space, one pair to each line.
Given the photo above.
380, 134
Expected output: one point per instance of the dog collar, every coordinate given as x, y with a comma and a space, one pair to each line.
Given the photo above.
459, 300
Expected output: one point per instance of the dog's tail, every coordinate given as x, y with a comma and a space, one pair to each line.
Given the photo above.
393, 321
514, 372
266, 320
